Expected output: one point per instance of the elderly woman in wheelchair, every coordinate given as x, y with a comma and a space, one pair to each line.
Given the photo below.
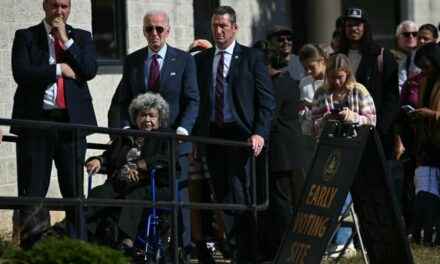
127, 164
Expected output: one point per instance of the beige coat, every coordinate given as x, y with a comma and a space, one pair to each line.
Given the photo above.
428, 131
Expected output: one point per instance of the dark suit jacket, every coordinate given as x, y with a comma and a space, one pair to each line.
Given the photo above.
286, 139
250, 91
32, 73
178, 86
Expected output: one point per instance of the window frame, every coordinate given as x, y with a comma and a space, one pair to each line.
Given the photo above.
120, 24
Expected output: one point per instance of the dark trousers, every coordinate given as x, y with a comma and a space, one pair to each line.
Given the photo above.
279, 214
427, 213
129, 217
408, 196
36, 149
230, 171
183, 196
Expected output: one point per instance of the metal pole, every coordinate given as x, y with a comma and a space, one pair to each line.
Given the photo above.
79, 188
174, 191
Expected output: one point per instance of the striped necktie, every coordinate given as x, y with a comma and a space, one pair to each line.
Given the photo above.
219, 89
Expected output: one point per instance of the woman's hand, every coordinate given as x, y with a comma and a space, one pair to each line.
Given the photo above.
344, 113
422, 113
273, 71
132, 175
93, 166
399, 148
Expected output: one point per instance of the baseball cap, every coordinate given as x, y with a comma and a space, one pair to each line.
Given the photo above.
356, 13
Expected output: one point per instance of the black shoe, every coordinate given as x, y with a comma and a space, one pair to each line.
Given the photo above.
203, 254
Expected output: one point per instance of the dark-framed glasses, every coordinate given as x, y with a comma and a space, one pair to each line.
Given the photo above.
407, 34
284, 38
158, 29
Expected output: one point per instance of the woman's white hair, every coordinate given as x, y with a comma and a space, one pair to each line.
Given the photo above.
146, 101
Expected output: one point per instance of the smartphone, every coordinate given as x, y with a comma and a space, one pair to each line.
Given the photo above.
335, 111
407, 108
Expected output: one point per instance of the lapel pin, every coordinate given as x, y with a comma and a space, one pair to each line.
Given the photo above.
236, 56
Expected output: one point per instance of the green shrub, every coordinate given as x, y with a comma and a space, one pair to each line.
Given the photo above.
65, 251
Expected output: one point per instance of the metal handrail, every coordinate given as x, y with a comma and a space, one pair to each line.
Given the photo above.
80, 201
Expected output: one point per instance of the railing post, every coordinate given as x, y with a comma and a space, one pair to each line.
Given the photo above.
174, 192
79, 188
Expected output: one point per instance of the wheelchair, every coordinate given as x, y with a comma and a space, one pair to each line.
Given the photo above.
154, 232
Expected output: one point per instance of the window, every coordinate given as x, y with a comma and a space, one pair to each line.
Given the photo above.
108, 27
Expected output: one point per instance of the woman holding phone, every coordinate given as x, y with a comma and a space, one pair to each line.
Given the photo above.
343, 99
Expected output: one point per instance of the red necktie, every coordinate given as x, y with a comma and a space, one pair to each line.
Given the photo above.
219, 89
60, 81
154, 77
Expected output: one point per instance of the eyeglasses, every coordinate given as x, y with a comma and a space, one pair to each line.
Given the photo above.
158, 29
407, 34
285, 38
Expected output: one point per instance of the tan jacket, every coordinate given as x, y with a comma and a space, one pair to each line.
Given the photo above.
428, 131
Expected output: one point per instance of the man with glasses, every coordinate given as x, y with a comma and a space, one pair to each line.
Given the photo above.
406, 40
282, 38
163, 69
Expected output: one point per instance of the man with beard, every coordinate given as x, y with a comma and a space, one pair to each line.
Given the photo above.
282, 38
375, 68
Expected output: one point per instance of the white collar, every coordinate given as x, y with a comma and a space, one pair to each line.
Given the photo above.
47, 27
161, 52
229, 49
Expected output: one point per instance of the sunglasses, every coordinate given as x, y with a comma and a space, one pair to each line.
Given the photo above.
284, 38
158, 29
407, 34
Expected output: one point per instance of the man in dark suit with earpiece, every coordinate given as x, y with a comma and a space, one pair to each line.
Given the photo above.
51, 63
236, 103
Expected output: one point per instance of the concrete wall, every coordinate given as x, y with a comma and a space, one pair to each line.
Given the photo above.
426, 11
254, 17
17, 14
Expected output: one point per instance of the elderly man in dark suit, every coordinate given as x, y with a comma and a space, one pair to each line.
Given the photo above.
171, 72
51, 63
236, 103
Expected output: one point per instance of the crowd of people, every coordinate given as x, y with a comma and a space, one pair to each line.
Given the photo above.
267, 96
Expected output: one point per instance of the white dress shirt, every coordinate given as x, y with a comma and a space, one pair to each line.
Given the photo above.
50, 94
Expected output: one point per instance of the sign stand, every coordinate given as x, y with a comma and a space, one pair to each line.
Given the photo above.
347, 160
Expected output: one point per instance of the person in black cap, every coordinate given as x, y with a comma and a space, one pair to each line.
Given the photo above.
282, 38
375, 68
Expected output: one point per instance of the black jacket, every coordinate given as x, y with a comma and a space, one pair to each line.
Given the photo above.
286, 140
380, 78
154, 150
